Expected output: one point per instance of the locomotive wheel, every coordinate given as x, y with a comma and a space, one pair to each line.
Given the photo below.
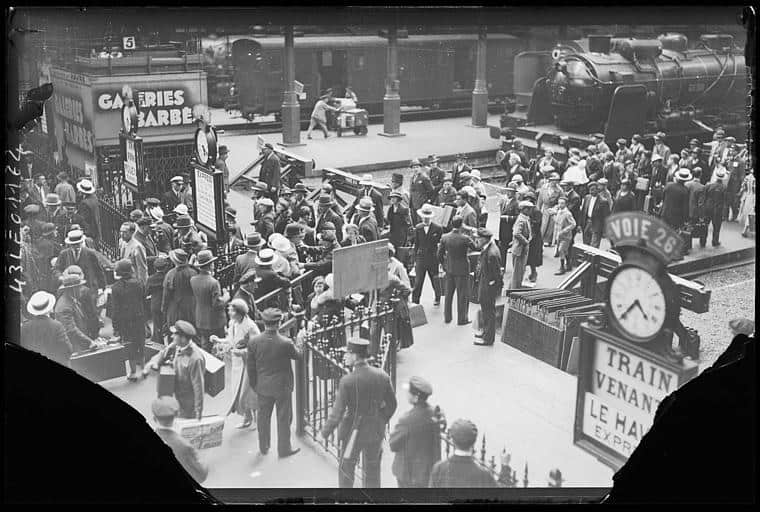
357, 130
363, 130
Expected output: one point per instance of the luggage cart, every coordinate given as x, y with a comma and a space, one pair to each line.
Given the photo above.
351, 118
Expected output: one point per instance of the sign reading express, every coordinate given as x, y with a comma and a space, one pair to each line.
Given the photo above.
625, 393
75, 130
130, 163
156, 108
204, 197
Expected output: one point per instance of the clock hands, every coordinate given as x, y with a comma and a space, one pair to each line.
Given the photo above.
635, 303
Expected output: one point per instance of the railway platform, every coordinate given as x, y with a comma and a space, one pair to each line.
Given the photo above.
364, 154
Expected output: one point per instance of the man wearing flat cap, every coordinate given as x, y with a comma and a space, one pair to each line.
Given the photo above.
461, 470
601, 146
416, 438
189, 369
421, 189
270, 171
221, 165
270, 374
165, 410
490, 281
364, 404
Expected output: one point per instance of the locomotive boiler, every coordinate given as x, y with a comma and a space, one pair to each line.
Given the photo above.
622, 86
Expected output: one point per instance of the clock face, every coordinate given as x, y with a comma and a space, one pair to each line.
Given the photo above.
126, 117
201, 146
637, 303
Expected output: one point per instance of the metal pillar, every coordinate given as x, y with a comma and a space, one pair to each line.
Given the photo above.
480, 91
291, 110
392, 98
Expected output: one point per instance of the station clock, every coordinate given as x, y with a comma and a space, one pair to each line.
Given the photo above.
129, 118
205, 145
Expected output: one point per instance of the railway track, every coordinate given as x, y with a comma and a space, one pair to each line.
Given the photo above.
264, 127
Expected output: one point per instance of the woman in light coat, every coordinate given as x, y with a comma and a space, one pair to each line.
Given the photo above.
239, 330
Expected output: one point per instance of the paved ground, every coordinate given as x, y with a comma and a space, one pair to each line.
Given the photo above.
442, 137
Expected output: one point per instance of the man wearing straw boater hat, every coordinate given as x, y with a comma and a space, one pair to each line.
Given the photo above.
76, 253
210, 302
270, 280
69, 310
178, 302
164, 233
376, 200
128, 315
427, 236
52, 208
41, 333
364, 404
89, 208
675, 200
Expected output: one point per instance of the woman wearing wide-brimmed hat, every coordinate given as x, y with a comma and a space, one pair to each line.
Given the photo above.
239, 330
128, 315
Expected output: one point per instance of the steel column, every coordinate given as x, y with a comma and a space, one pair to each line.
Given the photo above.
480, 91
392, 98
291, 110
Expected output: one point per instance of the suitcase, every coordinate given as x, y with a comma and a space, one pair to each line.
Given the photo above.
102, 364
214, 377
642, 184
165, 386
151, 349
417, 315
648, 203
206, 433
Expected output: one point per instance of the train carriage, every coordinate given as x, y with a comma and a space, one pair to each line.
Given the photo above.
433, 71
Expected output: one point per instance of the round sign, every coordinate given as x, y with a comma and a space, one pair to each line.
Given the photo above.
205, 145
129, 117
640, 301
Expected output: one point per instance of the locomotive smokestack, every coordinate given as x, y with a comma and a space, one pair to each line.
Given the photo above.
599, 43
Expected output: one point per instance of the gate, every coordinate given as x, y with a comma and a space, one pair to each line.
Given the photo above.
319, 372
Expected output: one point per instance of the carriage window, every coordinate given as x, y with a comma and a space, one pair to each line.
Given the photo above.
360, 62
326, 59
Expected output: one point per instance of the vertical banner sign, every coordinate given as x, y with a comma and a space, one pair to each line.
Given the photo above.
620, 386
133, 175
130, 162
204, 199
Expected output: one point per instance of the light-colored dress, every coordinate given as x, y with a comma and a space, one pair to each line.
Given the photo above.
237, 336
747, 205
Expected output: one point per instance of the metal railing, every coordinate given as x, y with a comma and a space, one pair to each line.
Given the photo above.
319, 372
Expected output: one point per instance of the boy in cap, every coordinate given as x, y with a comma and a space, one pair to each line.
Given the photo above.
128, 315
165, 409
461, 470
364, 404
416, 438
270, 374
490, 281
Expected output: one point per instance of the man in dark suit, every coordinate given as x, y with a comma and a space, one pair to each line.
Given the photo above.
326, 214
165, 409
715, 200
89, 209
270, 374
427, 236
69, 310
459, 167
176, 196
509, 211
593, 214
626, 200
270, 171
366, 222
300, 201
267, 280
461, 470
675, 200
376, 201
466, 211
452, 254
365, 403
144, 235
398, 220
76, 253
39, 190
210, 317
47, 248
41, 333
436, 173
421, 189
489, 284
247, 260
416, 438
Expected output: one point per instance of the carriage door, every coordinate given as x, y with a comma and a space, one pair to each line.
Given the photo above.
333, 71
464, 67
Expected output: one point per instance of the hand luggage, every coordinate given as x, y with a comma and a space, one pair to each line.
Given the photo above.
102, 364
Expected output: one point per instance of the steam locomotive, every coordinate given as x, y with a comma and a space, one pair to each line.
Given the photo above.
623, 86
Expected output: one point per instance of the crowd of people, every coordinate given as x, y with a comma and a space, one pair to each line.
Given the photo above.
165, 285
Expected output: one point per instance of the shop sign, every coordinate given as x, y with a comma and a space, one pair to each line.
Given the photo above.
130, 162
75, 126
156, 108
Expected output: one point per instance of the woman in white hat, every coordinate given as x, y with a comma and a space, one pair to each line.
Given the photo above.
235, 343
41, 333
286, 256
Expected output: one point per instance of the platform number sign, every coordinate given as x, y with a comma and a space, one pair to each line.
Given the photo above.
128, 43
